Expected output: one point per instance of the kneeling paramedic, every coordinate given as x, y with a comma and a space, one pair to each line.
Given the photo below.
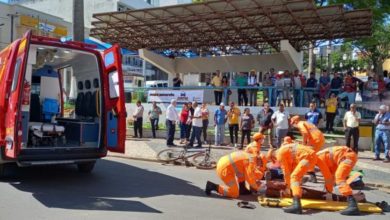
234, 170
255, 146
311, 135
336, 164
295, 160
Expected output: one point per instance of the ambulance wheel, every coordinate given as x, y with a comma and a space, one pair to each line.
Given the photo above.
2, 169
86, 167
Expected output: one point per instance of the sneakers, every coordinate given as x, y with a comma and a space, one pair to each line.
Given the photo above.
377, 158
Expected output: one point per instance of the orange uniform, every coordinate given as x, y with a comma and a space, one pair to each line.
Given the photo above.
239, 167
335, 164
253, 148
295, 160
312, 136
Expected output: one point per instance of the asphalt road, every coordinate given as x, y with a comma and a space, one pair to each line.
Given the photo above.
127, 189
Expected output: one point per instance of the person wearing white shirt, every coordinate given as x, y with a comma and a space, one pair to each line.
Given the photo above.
197, 125
351, 127
280, 120
171, 118
252, 81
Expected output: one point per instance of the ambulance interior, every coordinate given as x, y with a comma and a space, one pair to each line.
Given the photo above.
65, 101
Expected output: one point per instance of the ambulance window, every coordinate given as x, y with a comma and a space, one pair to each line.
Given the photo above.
16, 75
114, 84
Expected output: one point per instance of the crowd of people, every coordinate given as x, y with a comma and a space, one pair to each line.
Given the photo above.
285, 87
193, 121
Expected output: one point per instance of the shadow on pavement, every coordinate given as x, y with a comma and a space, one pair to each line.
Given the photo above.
111, 186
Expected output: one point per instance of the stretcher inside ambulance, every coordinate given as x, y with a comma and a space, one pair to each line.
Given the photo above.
62, 102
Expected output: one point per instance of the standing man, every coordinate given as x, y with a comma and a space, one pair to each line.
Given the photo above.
217, 82
297, 85
265, 122
349, 89
172, 119
252, 82
242, 80
197, 125
154, 115
382, 132
336, 83
219, 124
324, 86
233, 119
351, 127
280, 122
313, 116
177, 82
138, 116
311, 84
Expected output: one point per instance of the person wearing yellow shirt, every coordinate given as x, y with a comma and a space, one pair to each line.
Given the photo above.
233, 114
216, 81
331, 110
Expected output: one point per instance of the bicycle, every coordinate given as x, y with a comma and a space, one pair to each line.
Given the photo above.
201, 158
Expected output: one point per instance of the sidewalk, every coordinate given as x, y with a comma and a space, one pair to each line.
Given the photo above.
377, 173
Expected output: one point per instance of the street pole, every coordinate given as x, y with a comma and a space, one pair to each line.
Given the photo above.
78, 20
12, 16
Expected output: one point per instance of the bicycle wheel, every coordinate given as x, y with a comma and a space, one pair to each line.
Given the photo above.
169, 155
204, 161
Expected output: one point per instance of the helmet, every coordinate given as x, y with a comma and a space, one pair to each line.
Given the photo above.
258, 136
295, 119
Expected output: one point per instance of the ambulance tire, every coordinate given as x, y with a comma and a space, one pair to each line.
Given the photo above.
2, 169
86, 167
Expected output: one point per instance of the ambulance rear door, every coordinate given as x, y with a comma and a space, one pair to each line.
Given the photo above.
114, 100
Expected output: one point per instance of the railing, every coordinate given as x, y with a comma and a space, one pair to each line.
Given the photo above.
298, 97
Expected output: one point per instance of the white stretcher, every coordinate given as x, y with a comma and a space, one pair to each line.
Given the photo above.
48, 133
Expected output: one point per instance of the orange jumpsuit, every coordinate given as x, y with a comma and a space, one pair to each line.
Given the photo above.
253, 148
336, 164
296, 160
238, 167
312, 136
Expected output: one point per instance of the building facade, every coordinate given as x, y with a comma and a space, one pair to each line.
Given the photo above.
15, 20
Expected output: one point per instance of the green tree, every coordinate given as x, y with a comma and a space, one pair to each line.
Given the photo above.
375, 48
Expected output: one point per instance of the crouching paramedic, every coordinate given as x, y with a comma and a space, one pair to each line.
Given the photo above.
295, 160
336, 164
255, 146
234, 170
312, 136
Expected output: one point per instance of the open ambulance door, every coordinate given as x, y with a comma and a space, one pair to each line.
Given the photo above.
14, 90
114, 100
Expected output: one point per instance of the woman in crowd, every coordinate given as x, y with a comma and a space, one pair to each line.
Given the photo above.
205, 121
247, 123
184, 117
331, 111
226, 92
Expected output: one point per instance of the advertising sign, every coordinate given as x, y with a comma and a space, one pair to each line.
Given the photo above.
181, 96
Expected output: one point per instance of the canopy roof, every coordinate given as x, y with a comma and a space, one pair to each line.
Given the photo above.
231, 23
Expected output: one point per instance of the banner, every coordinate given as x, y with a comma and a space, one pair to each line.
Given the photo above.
181, 96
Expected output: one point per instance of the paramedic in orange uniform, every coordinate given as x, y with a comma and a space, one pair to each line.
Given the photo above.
312, 136
255, 146
287, 140
336, 164
295, 160
234, 170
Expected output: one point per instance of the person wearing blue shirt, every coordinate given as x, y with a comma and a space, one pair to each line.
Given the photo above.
314, 116
220, 117
382, 132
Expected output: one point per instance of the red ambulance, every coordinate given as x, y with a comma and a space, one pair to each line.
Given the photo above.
60, 103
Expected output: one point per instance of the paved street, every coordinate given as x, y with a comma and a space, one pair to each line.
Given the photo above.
128, 189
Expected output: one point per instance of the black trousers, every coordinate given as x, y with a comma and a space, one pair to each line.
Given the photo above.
218, 97
329, 121
233, 129
204, 129
242, 97
246, 133
138, 127
352, 133
170, 131
154, 122
188, 134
